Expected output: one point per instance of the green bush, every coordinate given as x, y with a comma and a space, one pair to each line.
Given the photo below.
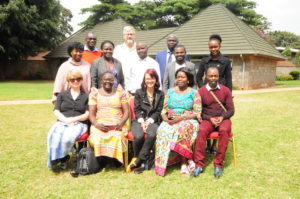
295, 74
284, 77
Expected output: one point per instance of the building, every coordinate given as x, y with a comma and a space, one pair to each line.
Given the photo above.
253, 58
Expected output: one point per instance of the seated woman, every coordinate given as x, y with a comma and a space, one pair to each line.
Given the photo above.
72, 114
109, 111
107, 63
148, 103
178, 131
75, 51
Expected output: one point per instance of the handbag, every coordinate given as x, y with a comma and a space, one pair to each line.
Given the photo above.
86, 162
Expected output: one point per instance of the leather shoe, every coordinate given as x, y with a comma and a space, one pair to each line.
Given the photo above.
217, 172
196, 171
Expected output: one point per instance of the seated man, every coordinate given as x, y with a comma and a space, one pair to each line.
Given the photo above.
217, 109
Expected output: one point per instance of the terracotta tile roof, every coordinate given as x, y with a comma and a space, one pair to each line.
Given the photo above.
285, 64
39, 56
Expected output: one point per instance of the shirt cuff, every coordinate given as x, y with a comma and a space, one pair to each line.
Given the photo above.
140, 120
150, 120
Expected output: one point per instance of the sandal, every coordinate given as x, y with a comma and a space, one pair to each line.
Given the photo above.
131, 165
184, 170
191, 165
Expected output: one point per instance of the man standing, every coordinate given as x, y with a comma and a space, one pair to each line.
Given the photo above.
126, 52
90, 52
217, 109
138, 69
171, 68
167, 56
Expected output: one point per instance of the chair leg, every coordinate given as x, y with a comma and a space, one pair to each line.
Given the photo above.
126, 157
234, 152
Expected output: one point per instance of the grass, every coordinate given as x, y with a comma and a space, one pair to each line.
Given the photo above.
266, 128
288, 84
22, 90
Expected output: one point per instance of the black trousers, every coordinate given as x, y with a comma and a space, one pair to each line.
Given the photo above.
142, 147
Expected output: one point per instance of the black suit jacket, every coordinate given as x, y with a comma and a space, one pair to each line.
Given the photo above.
142, 108
99, 67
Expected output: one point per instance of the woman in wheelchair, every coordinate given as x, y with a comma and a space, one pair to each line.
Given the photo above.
71, 110
109, 110
148, 104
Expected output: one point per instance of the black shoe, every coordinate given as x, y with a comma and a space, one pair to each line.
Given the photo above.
136, 164
140, 169
74, 174
217, 172
207, 150
196, 171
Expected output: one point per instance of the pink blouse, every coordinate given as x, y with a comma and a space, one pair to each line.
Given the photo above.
61, 83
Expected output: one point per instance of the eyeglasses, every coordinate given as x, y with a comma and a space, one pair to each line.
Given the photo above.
76, 79
95, 39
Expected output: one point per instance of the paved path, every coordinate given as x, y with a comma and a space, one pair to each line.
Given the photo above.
235, 92
264, 90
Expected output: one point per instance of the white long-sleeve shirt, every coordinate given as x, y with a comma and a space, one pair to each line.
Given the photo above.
137, 71
127, 57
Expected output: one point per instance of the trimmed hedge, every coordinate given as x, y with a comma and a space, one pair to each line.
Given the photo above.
295, 74
284, 77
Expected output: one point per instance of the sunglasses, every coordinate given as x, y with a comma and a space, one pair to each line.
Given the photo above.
75, 79
92, 39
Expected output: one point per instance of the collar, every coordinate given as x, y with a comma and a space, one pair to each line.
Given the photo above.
180, 64
73, 62
129, 49
87, 48
145, 59
211, 89
70, 95
169, 52
221, 59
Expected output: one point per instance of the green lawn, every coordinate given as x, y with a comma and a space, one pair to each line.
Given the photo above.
19, 90
266, 127
288, 84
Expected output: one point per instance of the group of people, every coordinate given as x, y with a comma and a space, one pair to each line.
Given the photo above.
93, 87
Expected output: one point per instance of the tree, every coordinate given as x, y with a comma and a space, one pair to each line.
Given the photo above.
285, 39
108, 10
168, 13
30, 26
296, 60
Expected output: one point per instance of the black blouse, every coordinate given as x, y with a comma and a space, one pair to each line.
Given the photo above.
69, 107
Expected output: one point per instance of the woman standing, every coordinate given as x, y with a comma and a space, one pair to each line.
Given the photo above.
107, 63
178, 131
109, 111
148, 104
75, 51
72, 114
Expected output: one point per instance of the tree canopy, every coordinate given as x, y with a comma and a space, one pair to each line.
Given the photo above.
167, 13
285, 39
29, 26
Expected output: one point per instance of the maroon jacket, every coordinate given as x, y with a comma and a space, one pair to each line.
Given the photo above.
211, 108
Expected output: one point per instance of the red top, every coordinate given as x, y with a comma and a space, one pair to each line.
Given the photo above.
89, 56
211, 108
